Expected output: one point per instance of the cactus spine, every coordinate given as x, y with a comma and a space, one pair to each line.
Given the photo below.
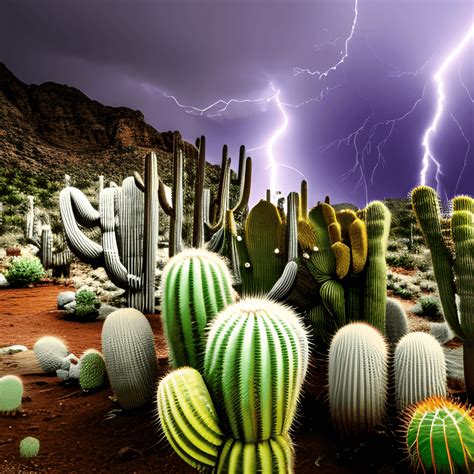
130, 358
196, 285
440, 436
357, 378
420, 369
453, 274
11, 392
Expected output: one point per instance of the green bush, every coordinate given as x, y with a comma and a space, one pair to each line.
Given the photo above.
428, 306
404, 260
87, 304
24, 270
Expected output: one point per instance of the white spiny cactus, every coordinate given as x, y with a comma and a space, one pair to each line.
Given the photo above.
50, 352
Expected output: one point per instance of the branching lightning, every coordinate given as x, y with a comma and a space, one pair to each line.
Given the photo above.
428, 155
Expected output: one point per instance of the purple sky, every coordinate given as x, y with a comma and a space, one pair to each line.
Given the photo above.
136, 52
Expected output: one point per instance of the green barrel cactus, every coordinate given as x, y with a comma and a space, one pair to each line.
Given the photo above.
453, 265
129, 352
92, 372
50, 352
396, 321
188, 417
440, 437
420, 369
358, 378
236, 418
11, 393
29, 447
196, 285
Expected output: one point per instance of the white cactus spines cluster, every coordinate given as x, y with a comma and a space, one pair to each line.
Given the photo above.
11, 393
50, 352
129, 352
420, 369
358, 378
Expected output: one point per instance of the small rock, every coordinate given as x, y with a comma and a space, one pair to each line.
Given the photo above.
3, 281
128, 453
105, 310
65, 297
12, 349
70, 307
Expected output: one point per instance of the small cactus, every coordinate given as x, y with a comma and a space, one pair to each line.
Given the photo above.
196, 285
130, 358
29, 447
396, 321
420, 369
92, 372
11, 391
441, 332
440, 437
357, 378
50, 353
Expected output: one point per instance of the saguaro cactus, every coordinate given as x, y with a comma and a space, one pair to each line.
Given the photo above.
453, 273
238, 418
129, 225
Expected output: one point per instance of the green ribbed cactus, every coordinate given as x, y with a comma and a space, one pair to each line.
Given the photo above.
92, 371
29, 447
349, 266
50, 352
454, 273
11, 392
396, 321
420, 369
129, 352
255, 363
196, 285
440, 437
357, 378
129, 227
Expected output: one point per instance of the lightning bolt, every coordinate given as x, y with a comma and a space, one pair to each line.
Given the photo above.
428, 155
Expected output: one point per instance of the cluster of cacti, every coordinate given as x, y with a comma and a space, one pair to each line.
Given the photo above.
92, 370
348, 266
236, 418
129, 352
129, 226
11, 393
196, 285
440, 437
50, 352
29, 447
359, 374
454, 273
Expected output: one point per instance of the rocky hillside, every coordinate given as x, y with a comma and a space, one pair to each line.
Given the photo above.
54, 129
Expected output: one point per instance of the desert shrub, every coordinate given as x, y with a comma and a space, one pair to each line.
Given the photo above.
401, 259
87, 304
24, 270
404, 293
428, 306
428, 285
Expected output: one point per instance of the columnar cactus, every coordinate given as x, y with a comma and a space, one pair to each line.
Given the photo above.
238, 420
129, 225
453, 273
11, 392
357, 378
196, 285
420, 369
130, 357
92, 370
440, 437
29, 447
50, 352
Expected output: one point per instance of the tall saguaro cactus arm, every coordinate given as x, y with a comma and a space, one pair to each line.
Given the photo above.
85, 249
244, 179
426, 207
198, 223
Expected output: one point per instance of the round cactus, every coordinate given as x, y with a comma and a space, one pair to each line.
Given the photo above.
188, 418
357, 378
11, 391
29, 447
396, 321
196, 285
256, 359
440, 436
92, 370
130, 357
420, 369
50, 353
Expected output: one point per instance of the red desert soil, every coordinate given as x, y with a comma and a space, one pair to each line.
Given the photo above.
85, 432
